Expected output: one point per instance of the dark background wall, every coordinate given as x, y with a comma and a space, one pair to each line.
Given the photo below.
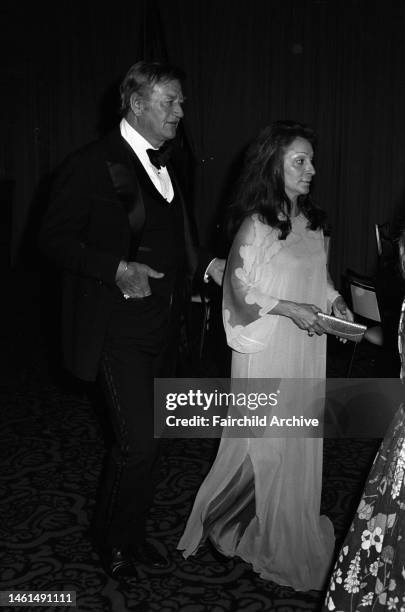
336, 65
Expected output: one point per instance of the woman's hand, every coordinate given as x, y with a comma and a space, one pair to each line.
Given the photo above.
341, 310
303, 315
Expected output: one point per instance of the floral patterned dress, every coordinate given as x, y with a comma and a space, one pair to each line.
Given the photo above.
370, 571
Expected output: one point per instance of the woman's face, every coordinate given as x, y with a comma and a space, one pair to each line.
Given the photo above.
298, 168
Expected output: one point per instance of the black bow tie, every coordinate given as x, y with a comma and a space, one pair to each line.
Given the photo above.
159, 157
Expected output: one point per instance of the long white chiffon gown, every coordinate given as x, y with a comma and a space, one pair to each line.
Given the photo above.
261, 499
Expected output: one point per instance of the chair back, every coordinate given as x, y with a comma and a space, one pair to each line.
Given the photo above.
364, 296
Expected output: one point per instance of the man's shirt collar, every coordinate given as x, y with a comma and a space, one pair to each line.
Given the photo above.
136, 141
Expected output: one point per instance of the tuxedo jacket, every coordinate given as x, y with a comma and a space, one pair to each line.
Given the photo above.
96, 212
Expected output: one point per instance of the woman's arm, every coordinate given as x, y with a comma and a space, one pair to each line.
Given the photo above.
248, 310
337, 303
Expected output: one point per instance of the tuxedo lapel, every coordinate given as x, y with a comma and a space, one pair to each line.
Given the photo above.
121, 162
120, 165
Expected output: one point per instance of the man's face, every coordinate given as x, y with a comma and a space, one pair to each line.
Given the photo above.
298, 168
160, 114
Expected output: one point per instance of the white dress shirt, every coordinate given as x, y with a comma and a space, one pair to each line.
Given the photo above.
160, 178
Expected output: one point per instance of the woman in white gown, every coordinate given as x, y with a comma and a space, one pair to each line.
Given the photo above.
261, 498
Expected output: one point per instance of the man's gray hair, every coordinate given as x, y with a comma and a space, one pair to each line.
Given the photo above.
141, 78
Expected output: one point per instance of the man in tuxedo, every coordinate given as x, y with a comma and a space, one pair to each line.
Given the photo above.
118, 226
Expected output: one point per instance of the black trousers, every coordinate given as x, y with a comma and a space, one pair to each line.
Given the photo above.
130, 362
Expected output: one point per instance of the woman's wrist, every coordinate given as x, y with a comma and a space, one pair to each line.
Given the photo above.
285, 308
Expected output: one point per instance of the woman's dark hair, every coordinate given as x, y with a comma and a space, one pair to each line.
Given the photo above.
260, 188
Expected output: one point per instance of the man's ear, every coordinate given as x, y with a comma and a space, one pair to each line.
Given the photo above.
137, 104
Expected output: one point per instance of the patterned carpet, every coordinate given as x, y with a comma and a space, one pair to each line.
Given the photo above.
51, 448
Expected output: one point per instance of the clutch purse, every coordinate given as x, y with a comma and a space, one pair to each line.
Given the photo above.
342, 328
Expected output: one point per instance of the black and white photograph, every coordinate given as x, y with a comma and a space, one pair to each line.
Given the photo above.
202, 234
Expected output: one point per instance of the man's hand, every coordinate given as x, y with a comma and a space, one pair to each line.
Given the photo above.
133, 279
216, 270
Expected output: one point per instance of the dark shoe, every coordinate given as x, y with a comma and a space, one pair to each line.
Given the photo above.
118, 564
147, 554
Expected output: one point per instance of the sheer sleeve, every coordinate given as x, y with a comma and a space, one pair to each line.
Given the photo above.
331, 293
246, 303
